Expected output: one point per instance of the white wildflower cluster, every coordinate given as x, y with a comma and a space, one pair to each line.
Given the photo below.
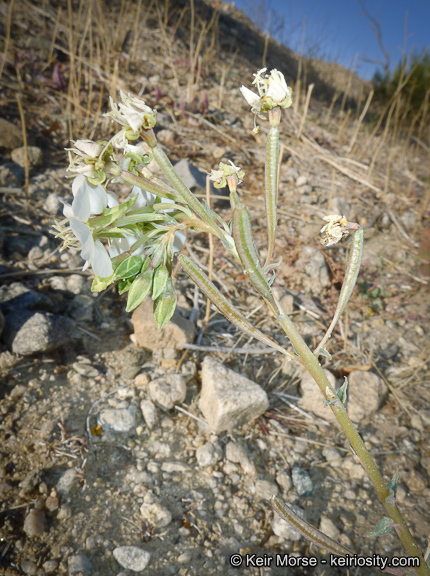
335, 229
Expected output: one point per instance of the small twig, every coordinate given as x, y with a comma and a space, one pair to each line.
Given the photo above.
245, 350
191, 415
24, 140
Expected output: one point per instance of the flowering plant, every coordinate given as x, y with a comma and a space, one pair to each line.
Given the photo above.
134, 243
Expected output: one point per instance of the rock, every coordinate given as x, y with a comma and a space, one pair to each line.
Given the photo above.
10, 135
313, 263
178, 331
168, 391
34, 524
354, 470
288, 174
50, 566
156, 515
17, 296
284, 481
192, 176
302, 481
409, 220
149, 411
79, 564
208, 454
366, 393
28, 332
132, 557
312, 399
117, 420
66, 481
301, 181
265, 489
52, 204
52, 503
327, 526
236, 452
75, 283
228, 399
166, 136
28, 567
340, 205
333, 456
174, 467
282, 529
35, 156
415, 480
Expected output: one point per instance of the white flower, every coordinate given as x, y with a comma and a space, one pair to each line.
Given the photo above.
335, 230
87, 148
94, 253
220, 176
132, 113
272, 92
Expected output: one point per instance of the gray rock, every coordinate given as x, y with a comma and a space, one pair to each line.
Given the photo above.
313, 263
327, 526
168, 391
284, 481
50, 566
66, 481
34, 525
301, 181
208, 454
117, 420
79, 564
366, 393
340, 205
150, 414
17, 296
312, 399
282, 529
409, 220
172, 467
302, 481
354, 470
28, 567
35, 156
236, 452
265, 489
75, 283
333, 456
132, 557
52, 204
228, 399
178, 331
34, 332
192, 176
10, 135
156, 515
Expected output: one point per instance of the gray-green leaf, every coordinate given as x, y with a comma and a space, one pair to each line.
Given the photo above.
164, 305
384, 526
128, 268
139, 290
159, 281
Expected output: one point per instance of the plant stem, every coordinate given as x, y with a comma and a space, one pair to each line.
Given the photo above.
357, 444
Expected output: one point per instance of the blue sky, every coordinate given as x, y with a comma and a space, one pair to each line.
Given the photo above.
337, 30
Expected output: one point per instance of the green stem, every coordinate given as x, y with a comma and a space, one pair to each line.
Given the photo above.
338, 409
186, 194
271, 189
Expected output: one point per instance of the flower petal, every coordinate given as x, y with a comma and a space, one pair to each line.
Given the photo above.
251, 97
83, 234
179, 241
112, 199
144, 198
81, 202
101, 262
98, 198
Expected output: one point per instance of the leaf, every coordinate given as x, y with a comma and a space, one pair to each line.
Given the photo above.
128, 268
139, 290
164, 305
323, 352
392, 488
159, 281
384, 526
100, 284
125, 285
342, 392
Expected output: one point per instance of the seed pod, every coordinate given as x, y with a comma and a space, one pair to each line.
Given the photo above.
352, 268
248, 254
271, 189
223, 305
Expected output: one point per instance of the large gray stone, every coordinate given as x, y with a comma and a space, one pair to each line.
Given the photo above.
35, 156
35, 332
132, 557
228, 399
366, 393
117, 420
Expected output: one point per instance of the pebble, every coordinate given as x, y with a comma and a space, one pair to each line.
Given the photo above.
333, 456
52, 204
301, 181
284, 481
366, 393
79, 564
312, 261
172, 467
50, 566
132, 557
191, 176
34, 154
178, 330
34, 524
282, 529
265, 489
156, 515
117, 420
208, 454
415, 481
149, 411
227, 399
85, 369
168, 391
329, 528
28, 567
75, 283
353, 469
10, 135
66, 481
236, 452
34, 332
302, 481
340, 205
